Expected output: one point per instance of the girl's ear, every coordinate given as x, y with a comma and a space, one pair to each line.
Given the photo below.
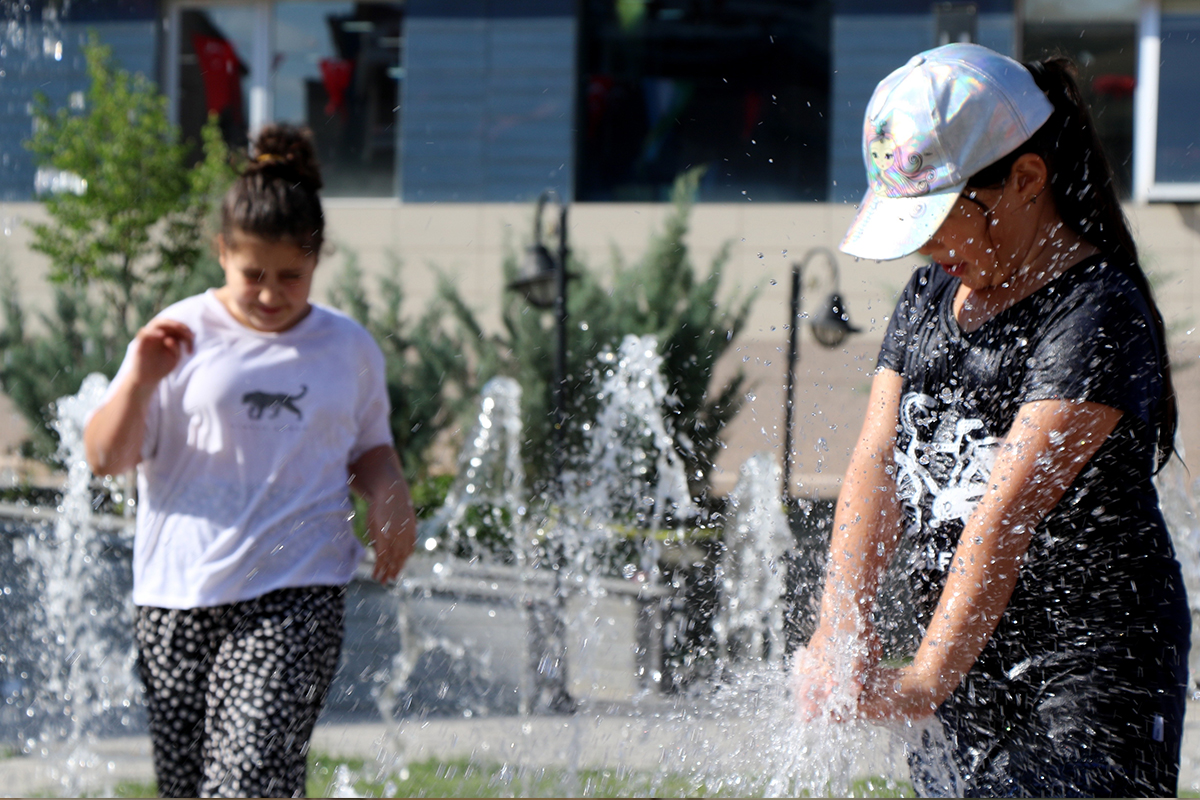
1029, 176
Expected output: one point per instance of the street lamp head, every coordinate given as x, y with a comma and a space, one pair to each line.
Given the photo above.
832, 326
538, 280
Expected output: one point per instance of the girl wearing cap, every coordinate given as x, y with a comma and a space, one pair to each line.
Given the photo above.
1022, 405
250, 413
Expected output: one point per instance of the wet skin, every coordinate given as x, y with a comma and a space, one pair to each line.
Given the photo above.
1004, 243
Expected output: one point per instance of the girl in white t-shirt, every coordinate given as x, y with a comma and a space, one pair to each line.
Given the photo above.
250, 413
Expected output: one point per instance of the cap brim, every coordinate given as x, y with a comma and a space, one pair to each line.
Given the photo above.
891, 227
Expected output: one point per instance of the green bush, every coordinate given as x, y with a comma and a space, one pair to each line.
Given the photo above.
660, 295
426, 369
135, 240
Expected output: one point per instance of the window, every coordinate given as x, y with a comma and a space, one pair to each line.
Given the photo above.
740, 87
1100, 36
215, 44
1177, 155
332, 66
337, 70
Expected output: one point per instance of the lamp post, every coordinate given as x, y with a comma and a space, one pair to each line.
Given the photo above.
830, 328
543, 283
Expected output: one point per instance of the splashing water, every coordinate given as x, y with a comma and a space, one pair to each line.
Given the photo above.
491, 480
343, 783
1178, 498
749, 624
630, 471
85, 672
483, 528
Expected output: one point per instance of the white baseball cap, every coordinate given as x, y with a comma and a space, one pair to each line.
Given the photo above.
932, 124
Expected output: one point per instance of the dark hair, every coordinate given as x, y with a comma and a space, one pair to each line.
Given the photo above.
275, 197
1081, 182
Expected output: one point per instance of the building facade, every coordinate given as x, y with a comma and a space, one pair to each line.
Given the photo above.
484, 101
439, 121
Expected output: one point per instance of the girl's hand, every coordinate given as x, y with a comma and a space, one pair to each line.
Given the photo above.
391, 521
898, 695
830, 674
158, 349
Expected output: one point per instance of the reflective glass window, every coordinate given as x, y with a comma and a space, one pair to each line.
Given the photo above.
214, 67
1100, 36
1178, 152
336, 69
741, 87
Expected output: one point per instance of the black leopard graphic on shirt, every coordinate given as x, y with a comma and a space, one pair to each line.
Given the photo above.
274, 403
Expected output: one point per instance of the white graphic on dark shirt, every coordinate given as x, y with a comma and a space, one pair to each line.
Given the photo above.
942, 472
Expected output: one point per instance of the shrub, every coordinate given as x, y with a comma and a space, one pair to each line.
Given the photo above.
660, 295
426, 369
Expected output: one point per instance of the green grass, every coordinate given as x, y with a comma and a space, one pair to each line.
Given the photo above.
462, 778
130, 789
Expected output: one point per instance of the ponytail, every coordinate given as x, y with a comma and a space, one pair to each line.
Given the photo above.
1085, 196
276, 197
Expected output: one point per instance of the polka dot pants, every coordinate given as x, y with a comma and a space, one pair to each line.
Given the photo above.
233, 691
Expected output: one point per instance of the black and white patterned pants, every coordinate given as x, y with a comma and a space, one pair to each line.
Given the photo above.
233, 691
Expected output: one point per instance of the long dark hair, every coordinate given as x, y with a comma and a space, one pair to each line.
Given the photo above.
276, 196
1081, 181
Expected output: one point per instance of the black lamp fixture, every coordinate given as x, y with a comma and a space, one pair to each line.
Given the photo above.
538, 282
543, 284
830, 327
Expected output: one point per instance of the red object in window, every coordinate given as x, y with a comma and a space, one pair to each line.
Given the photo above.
1115, 85
336, 73
222, 72
599, 88
751, 113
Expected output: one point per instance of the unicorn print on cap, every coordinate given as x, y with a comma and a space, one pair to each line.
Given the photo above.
896, 170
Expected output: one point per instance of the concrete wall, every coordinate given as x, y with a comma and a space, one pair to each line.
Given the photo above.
469, 241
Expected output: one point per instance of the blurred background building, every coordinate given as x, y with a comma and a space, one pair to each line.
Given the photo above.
605, 100
439, 121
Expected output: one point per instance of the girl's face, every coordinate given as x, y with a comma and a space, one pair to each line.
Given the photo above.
266, 283
991, 234
964, 247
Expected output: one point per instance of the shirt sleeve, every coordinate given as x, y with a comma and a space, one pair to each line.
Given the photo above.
1099, 347
150, 438
897, 339
373, 413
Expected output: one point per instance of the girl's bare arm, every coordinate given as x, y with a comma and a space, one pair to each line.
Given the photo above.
391, 522
866, 529
113, 438
1049, 444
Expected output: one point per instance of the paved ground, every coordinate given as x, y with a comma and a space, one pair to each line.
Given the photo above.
647, 741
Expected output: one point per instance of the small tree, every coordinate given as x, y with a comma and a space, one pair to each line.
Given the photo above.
134, 240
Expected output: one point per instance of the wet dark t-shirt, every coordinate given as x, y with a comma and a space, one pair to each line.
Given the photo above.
1100, 571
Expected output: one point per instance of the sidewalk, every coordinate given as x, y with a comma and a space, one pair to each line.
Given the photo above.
637, 743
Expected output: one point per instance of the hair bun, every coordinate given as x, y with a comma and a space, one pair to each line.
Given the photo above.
281, 147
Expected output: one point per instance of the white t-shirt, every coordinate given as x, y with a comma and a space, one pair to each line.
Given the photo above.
243, 485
